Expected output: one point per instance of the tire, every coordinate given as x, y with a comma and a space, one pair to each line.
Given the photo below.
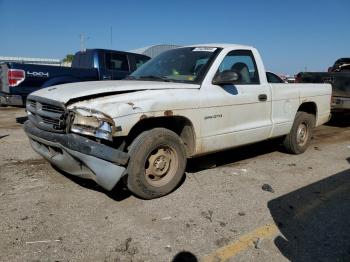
297, 141
157, 163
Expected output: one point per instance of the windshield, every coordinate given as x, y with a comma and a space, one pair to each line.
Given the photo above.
185, 65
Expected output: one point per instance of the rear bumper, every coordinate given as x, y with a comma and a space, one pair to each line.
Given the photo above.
340, 103
11, 100
79, 156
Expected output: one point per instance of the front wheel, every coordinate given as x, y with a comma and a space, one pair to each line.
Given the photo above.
157, 163
297, 141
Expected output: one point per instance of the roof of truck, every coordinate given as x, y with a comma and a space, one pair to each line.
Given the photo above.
108, 50
221, 45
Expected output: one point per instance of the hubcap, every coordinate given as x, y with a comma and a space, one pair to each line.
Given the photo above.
161, 166
302, 134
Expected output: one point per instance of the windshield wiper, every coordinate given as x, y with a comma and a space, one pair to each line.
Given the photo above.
163, 78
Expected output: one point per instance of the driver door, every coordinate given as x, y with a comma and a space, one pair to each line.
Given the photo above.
239, 113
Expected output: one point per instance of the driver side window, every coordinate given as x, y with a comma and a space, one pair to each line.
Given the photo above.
243, 63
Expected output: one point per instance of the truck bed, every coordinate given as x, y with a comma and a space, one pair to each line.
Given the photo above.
340, 81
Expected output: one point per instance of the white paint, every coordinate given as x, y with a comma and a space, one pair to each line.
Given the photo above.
220, 119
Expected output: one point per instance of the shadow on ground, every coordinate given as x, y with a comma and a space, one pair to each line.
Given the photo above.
231, 156
118, 193
315, 220
340, 120
21, 120
185, 256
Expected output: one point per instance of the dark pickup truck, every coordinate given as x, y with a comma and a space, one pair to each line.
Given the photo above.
339, 77
18, 80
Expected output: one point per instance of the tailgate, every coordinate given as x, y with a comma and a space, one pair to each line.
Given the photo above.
4, 88
341, 85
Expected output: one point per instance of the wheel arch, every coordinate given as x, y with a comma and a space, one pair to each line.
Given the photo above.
308, 107
181, 125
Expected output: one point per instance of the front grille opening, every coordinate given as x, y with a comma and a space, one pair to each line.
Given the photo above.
52, 108
32, 103
46, 114
48, 120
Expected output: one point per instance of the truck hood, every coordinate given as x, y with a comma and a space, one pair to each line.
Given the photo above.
66, 92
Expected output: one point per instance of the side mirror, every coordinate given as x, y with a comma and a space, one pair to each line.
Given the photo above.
226, 77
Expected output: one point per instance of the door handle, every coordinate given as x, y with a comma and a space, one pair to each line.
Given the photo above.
262, 97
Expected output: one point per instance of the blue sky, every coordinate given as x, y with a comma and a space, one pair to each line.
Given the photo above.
290, 35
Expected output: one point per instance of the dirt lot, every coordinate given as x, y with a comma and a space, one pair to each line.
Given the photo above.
219, 212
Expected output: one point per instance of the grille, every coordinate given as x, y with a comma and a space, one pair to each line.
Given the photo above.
32, 103
52, 108
46, 114
54, 122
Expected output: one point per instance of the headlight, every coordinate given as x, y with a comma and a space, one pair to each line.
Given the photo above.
92, 123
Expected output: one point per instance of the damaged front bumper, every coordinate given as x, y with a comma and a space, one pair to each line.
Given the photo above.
79, 156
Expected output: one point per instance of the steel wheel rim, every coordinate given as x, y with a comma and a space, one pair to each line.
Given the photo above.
161, 165
302, 134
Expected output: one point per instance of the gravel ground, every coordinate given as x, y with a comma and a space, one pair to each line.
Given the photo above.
46, 215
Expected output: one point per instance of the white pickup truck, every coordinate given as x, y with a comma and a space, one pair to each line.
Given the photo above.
183, 103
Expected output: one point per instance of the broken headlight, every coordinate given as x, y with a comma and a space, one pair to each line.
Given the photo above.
92, 123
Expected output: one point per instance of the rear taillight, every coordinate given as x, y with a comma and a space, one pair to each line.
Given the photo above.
15, 76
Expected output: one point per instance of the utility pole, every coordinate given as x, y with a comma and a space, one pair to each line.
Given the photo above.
82, 42
111, 37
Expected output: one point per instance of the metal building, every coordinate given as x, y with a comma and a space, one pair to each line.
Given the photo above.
30, 60
154, 50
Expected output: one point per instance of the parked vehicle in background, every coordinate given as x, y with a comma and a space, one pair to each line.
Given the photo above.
339, 77
341, 65
274, 78
290, 79
18, 80
183, 103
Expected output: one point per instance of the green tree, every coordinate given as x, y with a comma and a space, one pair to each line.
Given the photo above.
68, 58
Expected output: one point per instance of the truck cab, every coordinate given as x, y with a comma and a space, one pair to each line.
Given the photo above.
18, 80
111, 65
184, 103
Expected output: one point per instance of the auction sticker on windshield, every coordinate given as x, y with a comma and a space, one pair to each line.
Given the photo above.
204, 49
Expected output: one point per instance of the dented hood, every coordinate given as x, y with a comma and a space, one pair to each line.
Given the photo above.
66, 92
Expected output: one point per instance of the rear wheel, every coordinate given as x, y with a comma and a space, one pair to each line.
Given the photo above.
157, 163
297, 141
